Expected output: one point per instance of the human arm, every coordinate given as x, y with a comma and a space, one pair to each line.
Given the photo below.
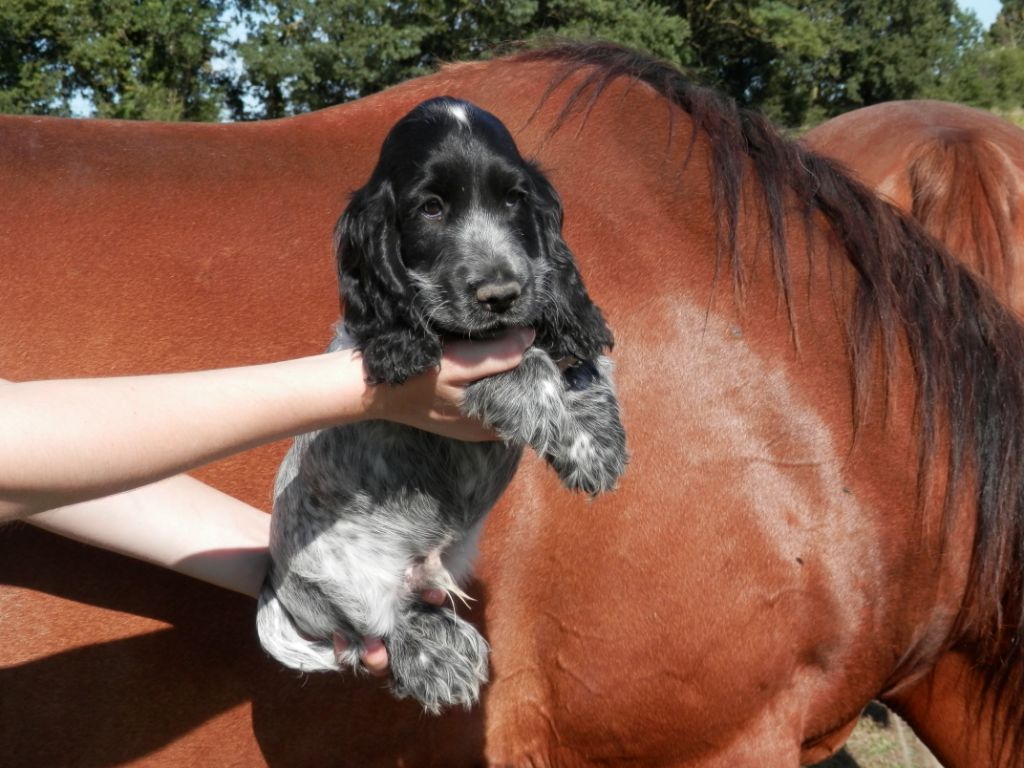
187, 526
178, 523
69, 441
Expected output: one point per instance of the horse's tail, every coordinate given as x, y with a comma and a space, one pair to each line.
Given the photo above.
281, 638
966, 193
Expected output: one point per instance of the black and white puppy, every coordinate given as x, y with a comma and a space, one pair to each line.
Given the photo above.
454, 236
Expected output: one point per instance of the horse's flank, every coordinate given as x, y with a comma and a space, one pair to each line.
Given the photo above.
907, 286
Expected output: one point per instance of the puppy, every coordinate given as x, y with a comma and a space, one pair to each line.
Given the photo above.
455, 236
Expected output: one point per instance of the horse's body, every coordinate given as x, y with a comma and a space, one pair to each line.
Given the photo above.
957, 170
765, 568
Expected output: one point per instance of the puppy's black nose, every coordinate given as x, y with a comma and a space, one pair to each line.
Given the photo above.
498, 297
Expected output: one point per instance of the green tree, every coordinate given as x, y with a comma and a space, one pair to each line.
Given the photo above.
303, 55
143, 59
1003, 70
1008, 29
796, 45
770, 54
803, 60
799, 60
989, 72
999, 71
646, 26
894, 50
961, 78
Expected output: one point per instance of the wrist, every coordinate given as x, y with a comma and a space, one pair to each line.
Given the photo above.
341, 382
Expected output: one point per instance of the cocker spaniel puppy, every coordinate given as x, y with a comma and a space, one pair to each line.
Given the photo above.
454, 236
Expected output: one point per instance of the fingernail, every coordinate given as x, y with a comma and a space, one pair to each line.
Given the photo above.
375, 655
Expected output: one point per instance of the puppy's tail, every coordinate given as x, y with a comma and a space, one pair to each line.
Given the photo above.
282, 640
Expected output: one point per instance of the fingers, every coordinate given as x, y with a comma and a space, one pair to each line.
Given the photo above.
375, 654
465, 361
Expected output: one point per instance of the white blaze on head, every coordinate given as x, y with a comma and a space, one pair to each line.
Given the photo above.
458, 111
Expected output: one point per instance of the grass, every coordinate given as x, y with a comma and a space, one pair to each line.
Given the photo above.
1015, 115
882, 740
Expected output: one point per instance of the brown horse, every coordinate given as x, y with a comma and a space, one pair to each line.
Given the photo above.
824, 500
957, 170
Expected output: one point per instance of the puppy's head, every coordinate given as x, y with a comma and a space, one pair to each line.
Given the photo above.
456, 235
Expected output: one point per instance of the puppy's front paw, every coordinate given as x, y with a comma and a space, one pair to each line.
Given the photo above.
438, 659
590, 455
525, 405
591, 464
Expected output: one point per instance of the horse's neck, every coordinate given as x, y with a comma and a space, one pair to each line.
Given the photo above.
957, 717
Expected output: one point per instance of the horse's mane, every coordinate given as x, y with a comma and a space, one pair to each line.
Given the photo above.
967, 350
964, 191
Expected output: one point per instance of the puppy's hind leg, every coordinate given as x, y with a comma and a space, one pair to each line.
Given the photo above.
437, 658
282, 639
304, 605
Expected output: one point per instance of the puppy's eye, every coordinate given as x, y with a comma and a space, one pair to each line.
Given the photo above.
432, 209
514, 198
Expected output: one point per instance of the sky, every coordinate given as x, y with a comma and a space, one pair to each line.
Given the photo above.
985, 9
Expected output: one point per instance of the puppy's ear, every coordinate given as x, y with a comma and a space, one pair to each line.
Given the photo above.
375, 292
571, 324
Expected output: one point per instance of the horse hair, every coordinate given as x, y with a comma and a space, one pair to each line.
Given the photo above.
965, 207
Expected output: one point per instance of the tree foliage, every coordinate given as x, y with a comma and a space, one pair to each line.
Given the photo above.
145, 59
773, 54
898, 50
799, 60
804, 61
1008, 29
307, 54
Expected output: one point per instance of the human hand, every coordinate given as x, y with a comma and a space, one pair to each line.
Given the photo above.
375, 654
431, 400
